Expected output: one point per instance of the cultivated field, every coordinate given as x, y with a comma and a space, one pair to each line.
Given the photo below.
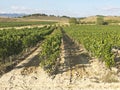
52, 57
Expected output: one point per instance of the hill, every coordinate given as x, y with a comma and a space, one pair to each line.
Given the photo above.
44, 17
11, 15
32, 17
93, 19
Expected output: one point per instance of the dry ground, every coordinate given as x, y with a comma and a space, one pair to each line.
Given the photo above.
77, 71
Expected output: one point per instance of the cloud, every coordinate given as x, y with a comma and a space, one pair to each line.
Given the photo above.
2, 11
21, 9
111, 9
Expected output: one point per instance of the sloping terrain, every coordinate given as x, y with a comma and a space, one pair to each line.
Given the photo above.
93, 19
46, 18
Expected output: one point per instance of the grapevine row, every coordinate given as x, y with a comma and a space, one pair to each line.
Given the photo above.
18, 24
13, 42
50, 51
98, 40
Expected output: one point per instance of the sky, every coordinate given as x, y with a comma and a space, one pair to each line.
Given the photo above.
74, 8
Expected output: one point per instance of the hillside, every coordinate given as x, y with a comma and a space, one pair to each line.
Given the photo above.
6, 19
112, 19
89, 19
11, 15
34, 18
47, 18
92, 19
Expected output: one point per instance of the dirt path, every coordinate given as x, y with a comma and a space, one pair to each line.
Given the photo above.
77, 71
16, 77
80, 72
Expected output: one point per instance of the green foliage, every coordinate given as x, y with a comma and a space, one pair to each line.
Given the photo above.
113, 21
51, 50
73, 21
13, 42
18, 24
100, 21
98, 40
105, 23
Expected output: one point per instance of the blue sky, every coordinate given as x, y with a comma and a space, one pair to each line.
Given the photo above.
77, 8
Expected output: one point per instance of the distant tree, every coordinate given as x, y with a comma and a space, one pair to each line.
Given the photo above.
65, 16
52, 15
73, 21
38, 14
100, 20
105, 23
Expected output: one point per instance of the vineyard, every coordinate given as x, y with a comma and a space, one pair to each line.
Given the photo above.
14, 43
60, 56
99, 41
23, 23
51, 51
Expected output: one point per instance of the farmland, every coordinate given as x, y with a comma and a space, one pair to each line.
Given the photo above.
97, 40
14, 43
23, 23
63, 53
60, 45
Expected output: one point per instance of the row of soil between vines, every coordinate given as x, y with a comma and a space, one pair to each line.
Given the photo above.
74, 66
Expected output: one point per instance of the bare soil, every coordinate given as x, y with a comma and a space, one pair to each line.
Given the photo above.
76, 71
